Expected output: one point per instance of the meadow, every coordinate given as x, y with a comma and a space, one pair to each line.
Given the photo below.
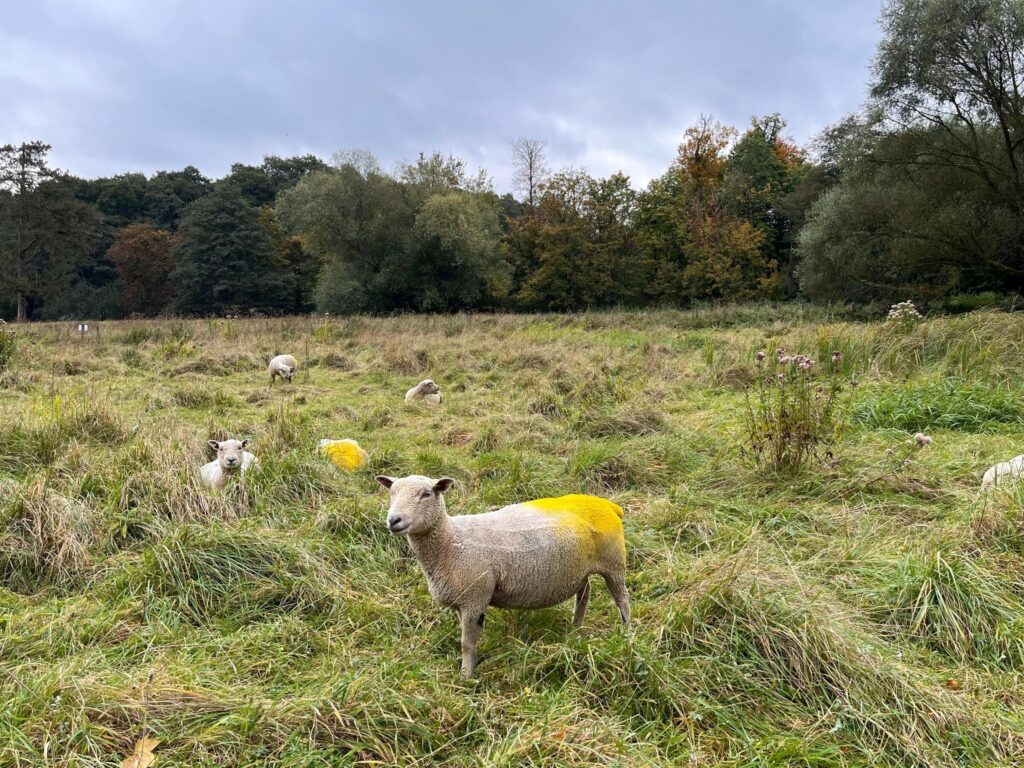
863, 612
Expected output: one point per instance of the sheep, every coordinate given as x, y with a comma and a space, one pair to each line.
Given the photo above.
426, 390
283, 366
1003, 473
345, 454
231, 457
529, 555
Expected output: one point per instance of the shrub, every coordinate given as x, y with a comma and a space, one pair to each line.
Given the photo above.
326, 331
790, 417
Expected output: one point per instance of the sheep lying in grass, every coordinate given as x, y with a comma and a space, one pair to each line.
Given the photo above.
283, 366
530, 555
345, 454
1004, 473
231, 458
426, 390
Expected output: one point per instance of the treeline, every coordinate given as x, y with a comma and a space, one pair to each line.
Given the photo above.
920, 195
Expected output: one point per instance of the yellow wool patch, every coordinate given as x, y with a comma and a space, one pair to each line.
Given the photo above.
345, 454
580, 511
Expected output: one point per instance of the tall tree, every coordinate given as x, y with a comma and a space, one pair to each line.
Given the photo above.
261, 184
289, 251
144, 258
225, 259
425, 240
529, 168
701, 248
577, 250
169, 193
764, 171
931, 199
44, 229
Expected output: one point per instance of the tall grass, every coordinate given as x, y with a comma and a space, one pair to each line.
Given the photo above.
806, 619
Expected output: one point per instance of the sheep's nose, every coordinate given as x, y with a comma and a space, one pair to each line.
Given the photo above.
231, 460
394, 522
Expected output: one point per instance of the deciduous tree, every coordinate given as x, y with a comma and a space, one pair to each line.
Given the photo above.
144, 258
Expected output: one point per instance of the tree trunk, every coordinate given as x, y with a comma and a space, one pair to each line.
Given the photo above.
22, 308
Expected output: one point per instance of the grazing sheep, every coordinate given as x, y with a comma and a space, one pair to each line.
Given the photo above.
1003, 473
423, 390
530, 555
231, 457
283, 366
344, 454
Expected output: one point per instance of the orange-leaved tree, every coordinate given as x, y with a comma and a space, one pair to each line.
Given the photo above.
144, 260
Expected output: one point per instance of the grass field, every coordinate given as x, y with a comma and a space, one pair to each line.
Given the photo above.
826, 619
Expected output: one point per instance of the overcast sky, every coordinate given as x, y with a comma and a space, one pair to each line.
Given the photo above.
145, 85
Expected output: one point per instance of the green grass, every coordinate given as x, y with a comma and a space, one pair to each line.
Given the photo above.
848, 616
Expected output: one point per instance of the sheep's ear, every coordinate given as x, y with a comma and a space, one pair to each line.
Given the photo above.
245, 443
214, 444
386, 481
443, 484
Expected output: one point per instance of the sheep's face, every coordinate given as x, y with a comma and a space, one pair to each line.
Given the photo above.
428, 387
229, 453
287, 372
417, 503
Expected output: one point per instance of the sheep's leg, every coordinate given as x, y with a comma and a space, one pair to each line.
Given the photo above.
582, 598
472, 620
617, 586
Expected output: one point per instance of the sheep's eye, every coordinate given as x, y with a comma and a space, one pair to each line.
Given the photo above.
424, 494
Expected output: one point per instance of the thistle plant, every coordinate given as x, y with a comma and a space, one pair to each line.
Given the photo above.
791, 410
900, 460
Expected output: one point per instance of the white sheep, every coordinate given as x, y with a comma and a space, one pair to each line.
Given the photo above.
283, 366
1003, 473
231, 458
427, 391
530, 555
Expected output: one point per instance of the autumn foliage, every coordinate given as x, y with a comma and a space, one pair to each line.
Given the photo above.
144, 260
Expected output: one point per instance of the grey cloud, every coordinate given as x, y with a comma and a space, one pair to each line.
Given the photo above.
120, 86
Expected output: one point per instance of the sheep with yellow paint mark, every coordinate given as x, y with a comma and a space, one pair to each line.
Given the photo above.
529, 555
344, 454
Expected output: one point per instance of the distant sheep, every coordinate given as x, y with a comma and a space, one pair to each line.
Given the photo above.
283, 366
427, 391
344, 454
1003, 474
530, 555
231, 458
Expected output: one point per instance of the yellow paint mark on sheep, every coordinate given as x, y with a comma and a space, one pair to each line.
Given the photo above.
583, 512
345, 454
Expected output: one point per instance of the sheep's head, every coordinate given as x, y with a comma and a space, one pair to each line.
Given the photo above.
428, 387
288, 371
229, 452
417, 502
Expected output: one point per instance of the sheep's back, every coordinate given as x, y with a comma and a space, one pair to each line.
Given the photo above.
282, 361
344, 454
1008, 470
541, 551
